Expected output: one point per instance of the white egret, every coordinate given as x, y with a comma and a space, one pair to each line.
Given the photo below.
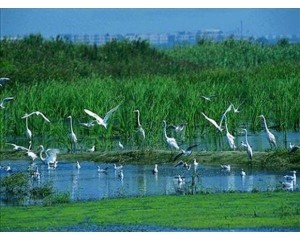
291, 177
155, 169
171, 141
78, 165
140, 128
271, 137
99, 120
38, 113
186, 152
4, 80
225, 167
72, 135
287, 185
92, 149
195, 164
224, 115
30, 153
213, 122
28, 132
51, 155
230, 138
236, 110
89, 124
249, 149
180, 179
102, 170
5, 100
17, 147
178, 128
118, 167
243, 174
293, 148
208, 98
120, 145
184, 165
121, 175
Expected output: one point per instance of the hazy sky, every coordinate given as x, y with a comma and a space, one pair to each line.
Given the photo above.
53, 21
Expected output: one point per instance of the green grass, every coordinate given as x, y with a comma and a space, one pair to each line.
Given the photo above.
214, 211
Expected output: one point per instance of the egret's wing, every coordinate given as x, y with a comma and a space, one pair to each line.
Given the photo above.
4, 80
212, 121
7, 99
107, 115
94, 115
179, 163
190, 147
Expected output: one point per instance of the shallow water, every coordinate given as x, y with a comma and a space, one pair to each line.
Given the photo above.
87, 183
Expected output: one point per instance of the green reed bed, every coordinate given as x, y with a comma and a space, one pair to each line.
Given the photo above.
264, 78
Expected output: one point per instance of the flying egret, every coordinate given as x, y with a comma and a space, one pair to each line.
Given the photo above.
186, 152
236, 110
72, 135
99, 120
184, 165
249, 149
51, 155
88, 124
17, 147
230, 138
178, 128
208, 98
5, 100
155, 170
140, 128
213, 122
4, 80
271, 137
38, 113
171, 141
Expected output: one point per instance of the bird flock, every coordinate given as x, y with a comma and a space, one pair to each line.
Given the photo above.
49, 156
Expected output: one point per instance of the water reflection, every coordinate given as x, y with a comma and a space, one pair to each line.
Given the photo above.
89, 183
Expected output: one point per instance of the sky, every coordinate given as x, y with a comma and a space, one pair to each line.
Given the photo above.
54, 21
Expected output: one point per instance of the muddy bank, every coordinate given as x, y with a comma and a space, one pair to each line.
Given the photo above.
272, 159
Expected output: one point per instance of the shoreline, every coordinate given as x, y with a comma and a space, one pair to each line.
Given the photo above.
272, 159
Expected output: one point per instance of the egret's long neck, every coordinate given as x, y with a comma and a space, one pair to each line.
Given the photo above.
41, 154
246, 137
225, 124
138, 118
27, 122
265, 123
165, 130
71, 124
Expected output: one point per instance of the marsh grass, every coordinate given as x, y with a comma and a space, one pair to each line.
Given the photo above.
264, 78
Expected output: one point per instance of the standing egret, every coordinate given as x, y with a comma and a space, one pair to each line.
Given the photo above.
92, 149
225, 167
155, 170
7, 99
293, 148
249, 149
213, 122
28, 132
271, 137
99, 120
195, 164
38, 113
72, 135
78, 165
120, 145
171, 141
140, 128
243, 174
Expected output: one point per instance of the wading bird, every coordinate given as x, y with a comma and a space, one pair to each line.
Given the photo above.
249, 149
213, 122
89, 124
92, 149
72, 136
195, 164
140, 128
28, 132
230, 138
186, 152
225, 167
99, 120
51, 155
293, 148
271, 137
155, 170
78, 165
291, 177
102, 170
118, 167
178, 128
184, 165
17, 147
38, 113
171, 141
243, 174
4, 101
120, 145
